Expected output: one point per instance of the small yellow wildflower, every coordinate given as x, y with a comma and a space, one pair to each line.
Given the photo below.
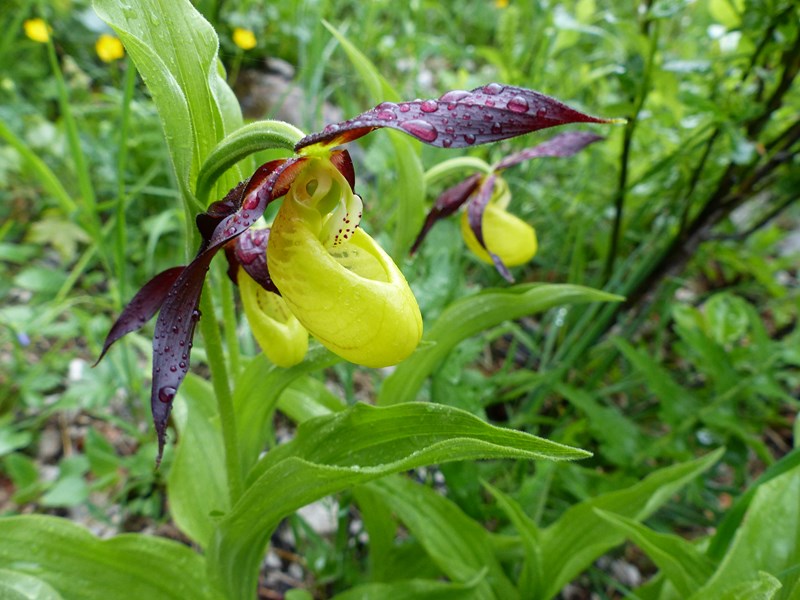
244, 38
109, 48
37, 30
501, 3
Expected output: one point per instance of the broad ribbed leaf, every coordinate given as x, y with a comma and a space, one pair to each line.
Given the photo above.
335, 452
580, 536
197, 485
175, 51
456, 543
458, 119
469, 316
78, 565
531, 577
768, 538
20, 586
680, 562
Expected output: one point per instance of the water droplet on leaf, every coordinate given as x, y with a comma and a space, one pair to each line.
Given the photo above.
429, 106
518, 104
421, 129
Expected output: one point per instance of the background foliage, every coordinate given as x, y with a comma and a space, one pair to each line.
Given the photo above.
686, 393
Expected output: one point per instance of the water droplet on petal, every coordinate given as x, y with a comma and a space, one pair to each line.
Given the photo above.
497, 128
421, 129
230, 231
541, 112
454, 96
489, 102
251, 202
469, 138
493, 89
429, 106
386, 115
404, 108
172, 369
196, 314
447, 142
518, 104
386, 106
449, 130
166, 394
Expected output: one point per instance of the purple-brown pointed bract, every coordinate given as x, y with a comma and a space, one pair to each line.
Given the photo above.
458, 119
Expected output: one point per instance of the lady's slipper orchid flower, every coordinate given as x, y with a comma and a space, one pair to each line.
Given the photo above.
332, 276
494, 235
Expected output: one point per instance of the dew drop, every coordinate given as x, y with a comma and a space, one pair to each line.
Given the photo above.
182, 365
541, 112
330, 128
469, 138
421, 129
487, 117
173, 368
447, 142
489, 102
230, 231
518, 104
452, 106
449, 130
493, 89
454, 96
386, 106
196, 314
166, 394
404, 108
386, 115
175, 329
429, 106
250, 203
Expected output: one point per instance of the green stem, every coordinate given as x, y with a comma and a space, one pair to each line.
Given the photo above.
461, 163
122, 159
219, 379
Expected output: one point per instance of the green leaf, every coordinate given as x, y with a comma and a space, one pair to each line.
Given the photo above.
730, 524
197, 485
580, 536
768, 538
175, 51
531, 577
412, 589
469, 316
683, 564
78, 565
457, 544
339, 451
19, 586
675, 401
257, 391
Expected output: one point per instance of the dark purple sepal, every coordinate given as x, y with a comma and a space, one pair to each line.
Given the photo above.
172, 342
475, 209
562, 145
207, 222
446, 204
250, 252
142, 307
458, 119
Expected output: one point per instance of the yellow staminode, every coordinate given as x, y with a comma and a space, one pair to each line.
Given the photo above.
244, 38
335, 278
37, 30
109, 48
